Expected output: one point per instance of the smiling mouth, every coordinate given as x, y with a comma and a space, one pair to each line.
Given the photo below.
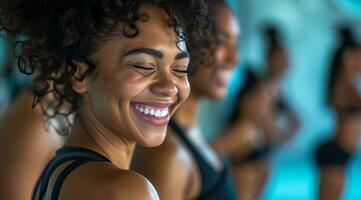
153, 113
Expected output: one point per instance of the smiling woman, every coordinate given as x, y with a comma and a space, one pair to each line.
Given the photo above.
121, 66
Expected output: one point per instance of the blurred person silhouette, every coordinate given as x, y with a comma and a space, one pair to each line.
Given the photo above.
185, 166
261, 121
343, 96
26, 137
277, 67
245, 141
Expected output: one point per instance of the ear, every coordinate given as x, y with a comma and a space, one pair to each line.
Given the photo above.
80, 83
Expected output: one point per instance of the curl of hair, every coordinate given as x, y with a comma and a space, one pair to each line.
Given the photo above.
61, 33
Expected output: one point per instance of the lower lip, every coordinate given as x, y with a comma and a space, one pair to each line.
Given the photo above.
152, 119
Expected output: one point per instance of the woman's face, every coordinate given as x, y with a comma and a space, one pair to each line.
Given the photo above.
140, 81
211, 81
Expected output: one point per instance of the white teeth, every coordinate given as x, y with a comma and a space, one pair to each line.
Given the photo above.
157, 113
154, 112
165, 112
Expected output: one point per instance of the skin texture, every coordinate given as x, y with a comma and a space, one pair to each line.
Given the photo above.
171, 167
332, 178
108, 122
21, 137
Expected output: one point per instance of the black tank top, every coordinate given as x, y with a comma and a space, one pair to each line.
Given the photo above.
78, 155
215, 185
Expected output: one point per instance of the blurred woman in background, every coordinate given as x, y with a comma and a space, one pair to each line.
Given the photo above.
260, 122
24, 140
185, 166
246, 139
344, 98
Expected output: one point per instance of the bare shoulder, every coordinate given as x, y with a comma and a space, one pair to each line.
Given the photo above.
24, 144
126, 184
23, 133
21, 114
105, 181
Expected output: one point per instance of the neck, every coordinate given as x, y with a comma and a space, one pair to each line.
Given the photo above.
186, 115
89, 133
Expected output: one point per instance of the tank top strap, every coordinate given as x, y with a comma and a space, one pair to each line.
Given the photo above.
78, 155
196, 154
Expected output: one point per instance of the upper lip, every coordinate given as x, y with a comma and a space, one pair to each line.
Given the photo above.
155, 104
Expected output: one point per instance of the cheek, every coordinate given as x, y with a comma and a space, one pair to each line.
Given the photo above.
128, 89
183, 89
129, 84
220, 55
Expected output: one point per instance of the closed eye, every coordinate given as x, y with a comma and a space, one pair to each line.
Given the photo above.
181, 70
143, 69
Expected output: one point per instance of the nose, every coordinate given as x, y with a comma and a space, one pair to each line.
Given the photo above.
165, 86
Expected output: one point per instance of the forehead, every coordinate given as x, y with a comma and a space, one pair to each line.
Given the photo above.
154, 32
227, 22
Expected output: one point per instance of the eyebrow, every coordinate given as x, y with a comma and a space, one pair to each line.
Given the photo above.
149, 51
155, 53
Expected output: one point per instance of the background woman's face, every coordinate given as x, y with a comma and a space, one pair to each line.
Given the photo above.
140, 81
211, 81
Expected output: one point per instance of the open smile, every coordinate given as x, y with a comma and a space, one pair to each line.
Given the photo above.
154, 113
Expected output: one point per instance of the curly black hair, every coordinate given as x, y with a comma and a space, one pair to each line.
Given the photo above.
61, 32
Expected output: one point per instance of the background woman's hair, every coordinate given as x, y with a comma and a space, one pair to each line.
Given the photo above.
272, 37
62, 32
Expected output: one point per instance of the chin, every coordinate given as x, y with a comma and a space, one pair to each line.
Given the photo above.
152, 139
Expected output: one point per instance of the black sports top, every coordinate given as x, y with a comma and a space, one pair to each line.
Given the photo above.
78, 155
215, 185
